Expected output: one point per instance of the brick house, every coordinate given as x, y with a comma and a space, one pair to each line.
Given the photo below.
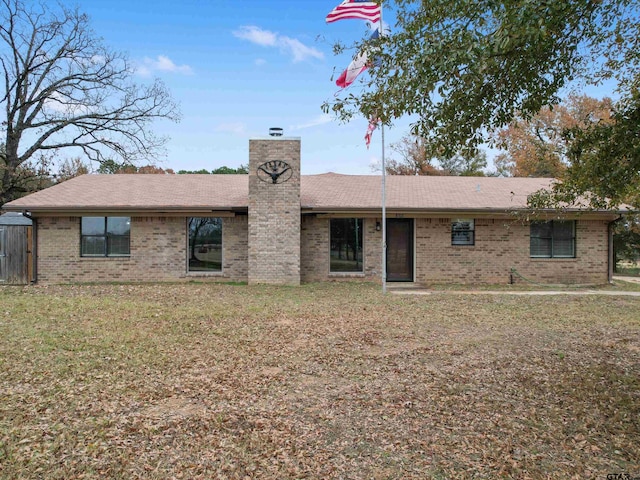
276, 226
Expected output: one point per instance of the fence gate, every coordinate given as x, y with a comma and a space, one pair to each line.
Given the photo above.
16, 258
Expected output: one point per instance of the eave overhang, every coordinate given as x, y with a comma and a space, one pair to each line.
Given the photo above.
523, 213
168, 211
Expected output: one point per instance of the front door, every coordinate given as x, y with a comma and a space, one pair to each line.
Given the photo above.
400, 250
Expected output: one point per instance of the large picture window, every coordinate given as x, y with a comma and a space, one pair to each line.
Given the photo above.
205, 244
346, 245
553, 239
105, 236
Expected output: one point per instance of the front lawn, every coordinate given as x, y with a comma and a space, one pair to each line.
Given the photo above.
201, 381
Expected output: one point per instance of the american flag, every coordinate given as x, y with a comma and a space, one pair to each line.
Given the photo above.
358, 9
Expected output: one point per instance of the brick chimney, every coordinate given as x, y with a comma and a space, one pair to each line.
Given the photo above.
274, 211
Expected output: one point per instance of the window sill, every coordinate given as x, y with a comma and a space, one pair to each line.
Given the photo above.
102, 259
204, 274
553, 259
347, 274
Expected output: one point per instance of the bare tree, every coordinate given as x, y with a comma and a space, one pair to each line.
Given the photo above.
63, 88
415, 158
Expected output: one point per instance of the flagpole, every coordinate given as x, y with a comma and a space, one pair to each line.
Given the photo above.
384, 194
384, 217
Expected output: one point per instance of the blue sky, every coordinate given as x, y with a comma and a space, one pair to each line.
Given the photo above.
238, 68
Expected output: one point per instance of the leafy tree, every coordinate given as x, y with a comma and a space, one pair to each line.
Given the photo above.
71, 168
224, 170
538, 147
416, 158
626, 240
110, 166
605, 158
467, 165
604, 162
154, 169
29, 177
227, 170
202, 171
467, 68
37, 175
64, 89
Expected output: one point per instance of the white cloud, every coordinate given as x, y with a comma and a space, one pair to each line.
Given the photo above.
260, 61
257, 35
143, 71
386, 28
56, 102
300, 51
162, 63
290, 46
233, 128
317, 121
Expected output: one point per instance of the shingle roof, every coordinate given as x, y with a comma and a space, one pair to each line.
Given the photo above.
334, 191
328, 191
146, 192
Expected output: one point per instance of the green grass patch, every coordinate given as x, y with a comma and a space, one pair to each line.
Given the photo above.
627, 270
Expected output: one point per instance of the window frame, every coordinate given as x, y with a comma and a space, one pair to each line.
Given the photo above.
188, 257
108, 237
457, 232
553, 238
359, 227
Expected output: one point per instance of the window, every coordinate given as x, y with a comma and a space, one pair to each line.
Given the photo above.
463, 232
205, 244
105, 236
554, 239
346, 245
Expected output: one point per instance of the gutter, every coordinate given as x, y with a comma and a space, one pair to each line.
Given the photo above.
132, 211
611, 261
34, 245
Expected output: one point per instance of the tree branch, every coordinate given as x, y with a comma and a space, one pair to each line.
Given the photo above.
64, 85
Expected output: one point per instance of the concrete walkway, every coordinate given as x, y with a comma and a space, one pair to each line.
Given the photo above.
416, 289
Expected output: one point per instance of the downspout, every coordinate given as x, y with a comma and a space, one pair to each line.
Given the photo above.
34, 245
611, 260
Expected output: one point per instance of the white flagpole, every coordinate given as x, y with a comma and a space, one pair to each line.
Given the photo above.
384, 195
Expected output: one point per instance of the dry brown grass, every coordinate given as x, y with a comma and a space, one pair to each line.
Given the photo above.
322, 381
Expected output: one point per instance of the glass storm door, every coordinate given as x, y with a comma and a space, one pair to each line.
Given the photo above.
400, 250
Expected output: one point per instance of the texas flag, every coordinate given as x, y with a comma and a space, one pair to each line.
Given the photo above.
358, 65
358, 9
